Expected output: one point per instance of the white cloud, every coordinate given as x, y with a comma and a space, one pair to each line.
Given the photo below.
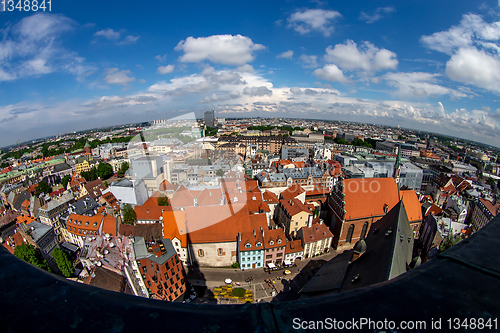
129, 40
377, 15
313, 20
115, 76
108, 34
286, 55
472, 66
245, 68
474, 49
472, 30
166, 69
309, 61
331, 73
161, 58
257, 91
419, 84
366, 57
224, 49
32, 47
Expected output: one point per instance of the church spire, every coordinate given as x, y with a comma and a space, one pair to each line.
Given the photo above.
397, 169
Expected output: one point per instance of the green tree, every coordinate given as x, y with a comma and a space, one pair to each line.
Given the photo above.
163, 201
63, 262
490, 181
28, 253
89, 175
104, 170
65, 181
43, 187
219, 173
449, 242
123, 168
129, 216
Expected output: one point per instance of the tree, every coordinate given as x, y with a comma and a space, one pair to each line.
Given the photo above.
219, 173
123, 168
163, 201
43, 187
449, 242
104, 170
89, 175
129, 216
63, 262
65, 181
30, 254
491, 181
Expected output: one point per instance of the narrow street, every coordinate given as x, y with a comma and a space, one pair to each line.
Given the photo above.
287, 286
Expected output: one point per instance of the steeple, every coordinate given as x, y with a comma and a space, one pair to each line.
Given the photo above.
397, 169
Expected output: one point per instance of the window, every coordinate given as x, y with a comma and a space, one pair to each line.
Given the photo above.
201, 253
363, 231
271, 243
269, 256
279, 255
258, 258
349, 233
253, 258
248, 245
279, 241
219, 251
259, 244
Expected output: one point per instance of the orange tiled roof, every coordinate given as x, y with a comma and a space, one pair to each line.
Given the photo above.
435, 210
275, 235
294, 246
150, 213
365, 197
250, 238
292, 192
269, 197
295, 206
25, 203
316, 233
174, 226
208, 224
13, 241
79, 222
490, 206
412, 205
109, 225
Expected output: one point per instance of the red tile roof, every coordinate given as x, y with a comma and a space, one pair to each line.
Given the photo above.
13, 241
277, 236
292, 192
294, 246
365, 197
316, 233
73, 224
295, 206
270, 197
490, 206
174, 226
208, 224
109, 225
412, 205
150, 213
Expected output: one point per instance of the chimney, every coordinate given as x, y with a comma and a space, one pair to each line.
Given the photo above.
310, 221
254, 233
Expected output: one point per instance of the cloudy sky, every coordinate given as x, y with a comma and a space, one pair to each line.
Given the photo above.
431, 65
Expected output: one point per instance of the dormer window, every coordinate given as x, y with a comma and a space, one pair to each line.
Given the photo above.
279, 241
95, 224
87, 223
259, 244
248, 245
271, 243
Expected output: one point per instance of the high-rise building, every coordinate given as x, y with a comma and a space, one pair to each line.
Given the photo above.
210, 118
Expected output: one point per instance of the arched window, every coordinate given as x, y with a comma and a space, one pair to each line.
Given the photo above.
201, 253
219, 251
363, 231
349, 233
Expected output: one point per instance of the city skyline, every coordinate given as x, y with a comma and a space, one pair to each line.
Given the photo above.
78, 68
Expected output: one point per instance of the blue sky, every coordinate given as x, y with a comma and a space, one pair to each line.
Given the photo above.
430, 65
